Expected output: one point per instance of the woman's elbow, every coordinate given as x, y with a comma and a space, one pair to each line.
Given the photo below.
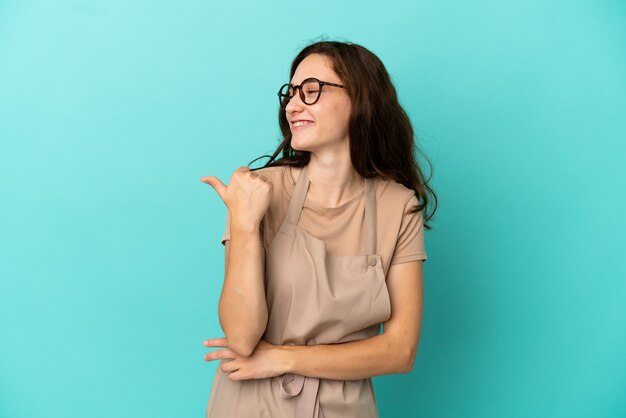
243, 347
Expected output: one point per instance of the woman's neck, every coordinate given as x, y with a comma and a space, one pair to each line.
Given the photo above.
332, 184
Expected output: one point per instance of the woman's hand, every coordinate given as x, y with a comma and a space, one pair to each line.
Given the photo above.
247, 196
267, 360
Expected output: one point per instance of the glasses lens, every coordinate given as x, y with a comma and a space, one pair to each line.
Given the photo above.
311, 90
286, 92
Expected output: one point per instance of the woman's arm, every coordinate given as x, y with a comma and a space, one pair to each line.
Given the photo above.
242, 306
347, 361
391, 352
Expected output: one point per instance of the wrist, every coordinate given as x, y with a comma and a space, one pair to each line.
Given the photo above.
248, 230
290, 355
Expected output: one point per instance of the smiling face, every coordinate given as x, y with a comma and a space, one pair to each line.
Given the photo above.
329, 116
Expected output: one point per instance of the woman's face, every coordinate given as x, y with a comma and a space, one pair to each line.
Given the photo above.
329, 116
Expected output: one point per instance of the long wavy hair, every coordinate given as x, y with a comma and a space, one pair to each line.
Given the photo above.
381, 136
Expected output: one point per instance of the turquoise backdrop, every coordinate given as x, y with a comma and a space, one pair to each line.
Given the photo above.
110, 257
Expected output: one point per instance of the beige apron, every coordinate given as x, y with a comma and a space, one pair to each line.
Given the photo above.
312, 298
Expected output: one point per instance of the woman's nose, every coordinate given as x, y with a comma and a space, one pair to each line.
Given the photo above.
295, 103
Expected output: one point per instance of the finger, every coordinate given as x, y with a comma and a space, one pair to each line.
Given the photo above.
228, 366
216, 183
236, 375
216, 342
220, 355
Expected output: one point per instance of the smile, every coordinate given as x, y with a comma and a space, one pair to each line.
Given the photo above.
300, 124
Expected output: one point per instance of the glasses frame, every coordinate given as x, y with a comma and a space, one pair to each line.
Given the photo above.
299, 88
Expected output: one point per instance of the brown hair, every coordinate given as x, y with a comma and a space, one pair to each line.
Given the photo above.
381, 135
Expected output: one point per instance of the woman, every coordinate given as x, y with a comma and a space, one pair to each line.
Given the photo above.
323, 246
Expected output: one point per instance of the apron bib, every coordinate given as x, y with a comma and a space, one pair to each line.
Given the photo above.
316, 298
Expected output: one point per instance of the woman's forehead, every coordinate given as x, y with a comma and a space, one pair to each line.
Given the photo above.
316, 66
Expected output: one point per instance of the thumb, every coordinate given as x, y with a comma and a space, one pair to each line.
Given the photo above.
216, 183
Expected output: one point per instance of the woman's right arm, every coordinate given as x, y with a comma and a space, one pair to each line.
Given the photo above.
242, 305
242, 308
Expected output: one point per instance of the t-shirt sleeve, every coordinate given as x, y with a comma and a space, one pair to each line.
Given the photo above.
410, 242
226, 235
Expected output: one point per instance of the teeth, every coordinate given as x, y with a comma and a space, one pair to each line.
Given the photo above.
300, 123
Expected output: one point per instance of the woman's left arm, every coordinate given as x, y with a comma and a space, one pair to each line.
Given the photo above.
391, 352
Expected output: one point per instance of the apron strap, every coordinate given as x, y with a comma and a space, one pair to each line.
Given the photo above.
370, 216
299, 194
307, 390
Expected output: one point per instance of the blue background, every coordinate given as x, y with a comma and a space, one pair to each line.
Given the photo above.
110, 258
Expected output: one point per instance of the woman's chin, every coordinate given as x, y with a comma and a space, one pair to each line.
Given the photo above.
300, 145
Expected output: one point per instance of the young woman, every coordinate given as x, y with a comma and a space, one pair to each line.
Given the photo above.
323, 246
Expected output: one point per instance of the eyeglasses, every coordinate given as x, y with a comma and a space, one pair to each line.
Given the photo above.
310, 90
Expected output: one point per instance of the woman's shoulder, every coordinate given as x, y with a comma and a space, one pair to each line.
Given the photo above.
390, 189
283, 175
282, 182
